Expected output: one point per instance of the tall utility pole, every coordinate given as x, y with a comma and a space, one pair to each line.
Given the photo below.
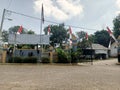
3, 16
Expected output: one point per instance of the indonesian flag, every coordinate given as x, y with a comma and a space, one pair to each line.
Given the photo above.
42, 14
49, 30
70, 32
111, 34
20, 30
86, 36
70, 38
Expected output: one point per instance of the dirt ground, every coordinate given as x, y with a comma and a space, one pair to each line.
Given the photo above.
102, 75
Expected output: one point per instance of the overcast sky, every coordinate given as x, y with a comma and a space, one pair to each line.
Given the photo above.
92, 14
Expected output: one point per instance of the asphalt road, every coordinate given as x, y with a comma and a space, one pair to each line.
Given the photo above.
102, 75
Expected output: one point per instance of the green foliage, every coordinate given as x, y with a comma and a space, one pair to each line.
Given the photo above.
58, 34
102, 37
30, 32
25, 47
81, 34
30, 60
62, 56
45, 60
5, 36
22, 60
83, 44
75, 55
14, 29
116, 29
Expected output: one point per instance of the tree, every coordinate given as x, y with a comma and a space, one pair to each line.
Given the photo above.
81, 35
5, 36
116, 23
30, 32
58, 34
102, 37
83, 43
14, 29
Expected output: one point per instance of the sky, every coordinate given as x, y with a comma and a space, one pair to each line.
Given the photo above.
89, 15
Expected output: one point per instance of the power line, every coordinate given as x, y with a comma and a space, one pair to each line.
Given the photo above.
49, 21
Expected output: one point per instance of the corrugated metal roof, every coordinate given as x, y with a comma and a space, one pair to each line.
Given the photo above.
98, 46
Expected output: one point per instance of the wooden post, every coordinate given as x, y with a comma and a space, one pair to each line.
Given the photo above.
51, 57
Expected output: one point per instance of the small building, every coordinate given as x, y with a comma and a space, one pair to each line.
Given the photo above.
97, 51
114, 48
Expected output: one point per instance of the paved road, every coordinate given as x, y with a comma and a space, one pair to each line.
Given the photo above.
103, 75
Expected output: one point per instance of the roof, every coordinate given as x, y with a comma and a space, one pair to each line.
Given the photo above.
98, 46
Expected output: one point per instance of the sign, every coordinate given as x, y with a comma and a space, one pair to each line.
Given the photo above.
28, 39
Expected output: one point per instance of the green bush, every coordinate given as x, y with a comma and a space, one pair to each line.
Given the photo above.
22, 60
30, 60
62, 56
74, 58
45, 60
15, 60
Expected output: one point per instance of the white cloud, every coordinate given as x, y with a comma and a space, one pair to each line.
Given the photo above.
118, 5
59, 9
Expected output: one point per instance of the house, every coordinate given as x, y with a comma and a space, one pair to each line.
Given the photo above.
114, 48
97, 51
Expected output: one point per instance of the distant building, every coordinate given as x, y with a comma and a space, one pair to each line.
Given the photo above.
97, 51
114, 48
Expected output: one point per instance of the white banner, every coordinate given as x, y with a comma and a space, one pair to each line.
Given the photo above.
28, 39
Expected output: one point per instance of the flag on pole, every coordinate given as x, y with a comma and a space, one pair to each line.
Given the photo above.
70, 37
49, 30
111, 34
109, 45
42, 14
70, 32
20, 30
86, 36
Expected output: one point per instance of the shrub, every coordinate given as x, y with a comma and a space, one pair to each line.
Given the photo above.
62, 56
30, 60
45, 60
22, 60
15, 60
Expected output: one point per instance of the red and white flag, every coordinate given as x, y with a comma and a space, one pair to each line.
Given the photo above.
70, 32
20, 30
86, 36
49, 30
111, 34
70, 37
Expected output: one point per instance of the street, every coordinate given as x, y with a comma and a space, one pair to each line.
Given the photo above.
102, 75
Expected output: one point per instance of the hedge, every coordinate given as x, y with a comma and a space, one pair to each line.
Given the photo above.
22, 60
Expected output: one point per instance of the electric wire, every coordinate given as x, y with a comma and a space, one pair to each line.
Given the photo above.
50, 21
